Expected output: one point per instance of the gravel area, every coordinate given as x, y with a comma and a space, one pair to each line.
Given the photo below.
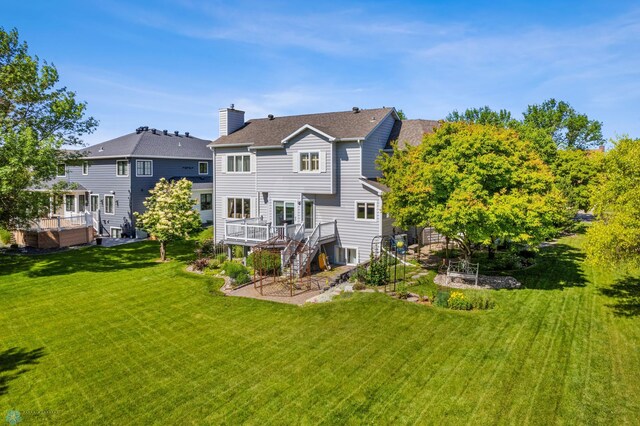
484, 282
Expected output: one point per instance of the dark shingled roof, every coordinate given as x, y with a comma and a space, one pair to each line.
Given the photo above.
374, 183
270, 133
147, 144
410, 132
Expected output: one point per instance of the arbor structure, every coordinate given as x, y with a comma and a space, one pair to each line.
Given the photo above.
475, 184
169, 213
37, 119
615, 236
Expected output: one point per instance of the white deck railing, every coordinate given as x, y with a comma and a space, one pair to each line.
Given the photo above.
78, 221
255, 230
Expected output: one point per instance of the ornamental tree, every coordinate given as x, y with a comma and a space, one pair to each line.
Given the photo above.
615, 236
169, 213
37, 119
475, 184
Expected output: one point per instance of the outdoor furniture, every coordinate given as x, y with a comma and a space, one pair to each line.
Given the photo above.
463, 269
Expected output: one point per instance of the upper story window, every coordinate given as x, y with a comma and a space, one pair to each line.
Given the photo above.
203, 167
122, 168
144, 168
239, 163
61, 170
309, 161
108, 204
365, 211
85, 168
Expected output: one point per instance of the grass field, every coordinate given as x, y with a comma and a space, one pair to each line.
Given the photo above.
111, 336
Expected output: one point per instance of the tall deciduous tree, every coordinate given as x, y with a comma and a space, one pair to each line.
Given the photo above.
169, 213
615, 236
37, 119
475, 184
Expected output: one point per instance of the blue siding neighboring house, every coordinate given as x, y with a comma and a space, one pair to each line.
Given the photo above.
113, 178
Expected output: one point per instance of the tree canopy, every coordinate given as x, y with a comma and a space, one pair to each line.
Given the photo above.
615, 236
37, 119
475, 184
169, 213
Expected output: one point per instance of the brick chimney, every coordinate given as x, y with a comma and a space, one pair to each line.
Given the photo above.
231, 119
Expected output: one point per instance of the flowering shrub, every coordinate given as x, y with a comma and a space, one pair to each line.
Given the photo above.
200, 264
458, 301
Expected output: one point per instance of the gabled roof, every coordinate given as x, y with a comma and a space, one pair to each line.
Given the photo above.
375, 185
268, 133
410, 132
145, 143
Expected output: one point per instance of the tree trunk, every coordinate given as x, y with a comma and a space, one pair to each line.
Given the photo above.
163, 251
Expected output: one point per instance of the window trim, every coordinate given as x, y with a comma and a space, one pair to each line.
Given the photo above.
344, 249
111, 228
113, 204
226, 206
140, 161
365, 219
301, 153
58, 170
75, 203
207, 164
122, 161
85, 164
97, 203
234, 162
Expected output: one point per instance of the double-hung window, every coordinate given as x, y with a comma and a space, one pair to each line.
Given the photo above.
365, 211
309, 161
108, 204
144, 168
238, 208
85, 168
206, 201
239, 163
122, 168
70, 203
203, 168
94, 201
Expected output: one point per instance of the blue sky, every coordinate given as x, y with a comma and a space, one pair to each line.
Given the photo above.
171, 64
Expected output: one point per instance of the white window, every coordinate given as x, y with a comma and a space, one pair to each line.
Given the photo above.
239, 163
309, 161
347, 255
85, 168
144, 168
239, 208
365, 210
70, 203
82, 203
115, 232
203, 168
108, 204
206, 201
94, 201
62, 170
122, 168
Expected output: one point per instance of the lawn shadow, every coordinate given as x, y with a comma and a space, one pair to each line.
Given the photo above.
94, 259
626, 294
558, 266
12, 362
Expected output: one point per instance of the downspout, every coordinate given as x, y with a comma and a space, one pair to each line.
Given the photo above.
215, 202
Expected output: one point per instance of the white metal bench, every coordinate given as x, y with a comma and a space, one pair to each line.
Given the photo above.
462, 269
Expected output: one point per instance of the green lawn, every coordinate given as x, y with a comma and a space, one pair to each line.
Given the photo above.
111, 336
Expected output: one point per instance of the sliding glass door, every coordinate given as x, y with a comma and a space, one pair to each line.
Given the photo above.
283, 212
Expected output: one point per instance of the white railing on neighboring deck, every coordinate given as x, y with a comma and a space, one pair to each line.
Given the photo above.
59, 222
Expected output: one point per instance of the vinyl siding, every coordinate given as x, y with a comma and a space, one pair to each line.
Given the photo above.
230, 185
102, 180
373, 144
276, 166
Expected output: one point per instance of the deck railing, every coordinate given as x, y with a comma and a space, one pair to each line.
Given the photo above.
255, 230
60, 222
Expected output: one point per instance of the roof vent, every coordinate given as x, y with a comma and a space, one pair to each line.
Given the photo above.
165, 132
139, 129
153, 131
270, 117
232, 106
145, 128
373, 118
355, 110
186, 134
176, 133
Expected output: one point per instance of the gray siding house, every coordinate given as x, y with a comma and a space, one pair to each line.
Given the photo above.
113, 178
311, 178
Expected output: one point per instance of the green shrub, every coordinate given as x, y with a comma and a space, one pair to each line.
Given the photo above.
442, 299
378, 273
233, 269
402, 291
359, 285
457, 300
238, 251
242, 278
270, 262
214, 264
221, 258
208, 248
481, 301
5, 236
